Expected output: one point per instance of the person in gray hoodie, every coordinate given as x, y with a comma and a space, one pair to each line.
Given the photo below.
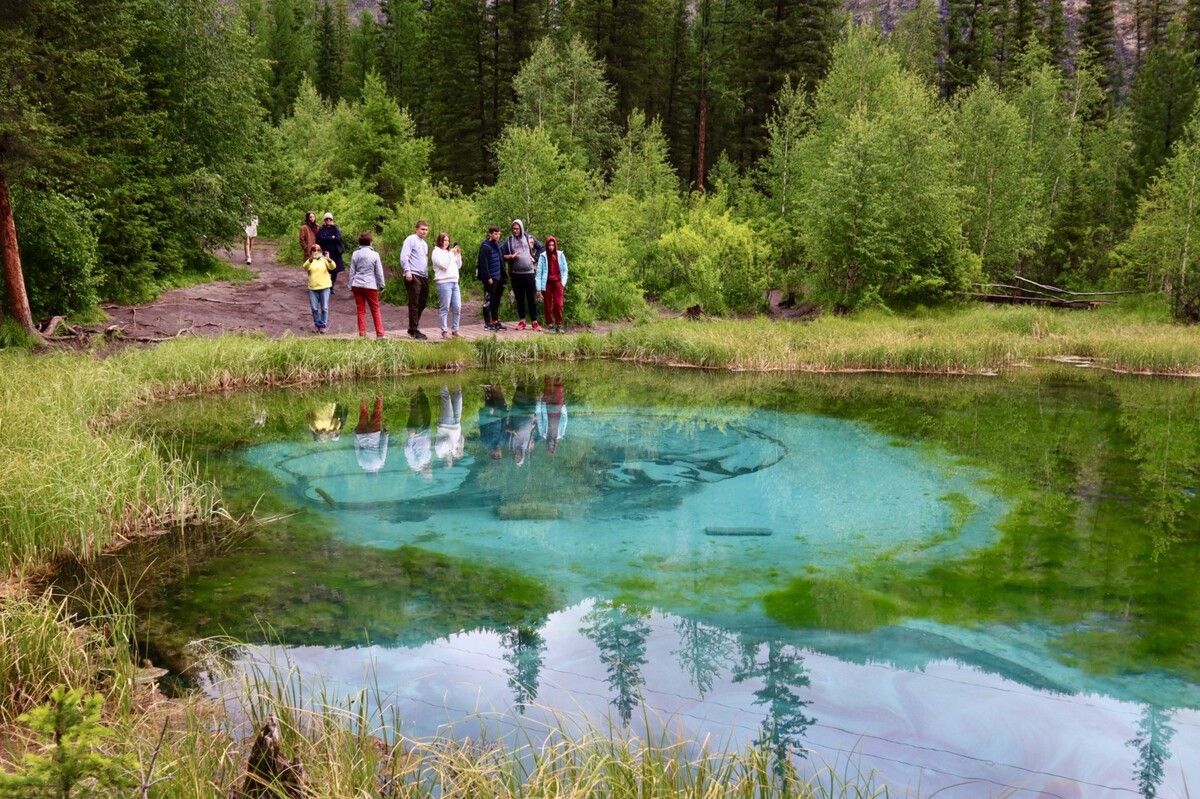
366, 281
520, 252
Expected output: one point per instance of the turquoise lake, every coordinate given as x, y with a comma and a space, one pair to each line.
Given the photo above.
980, 586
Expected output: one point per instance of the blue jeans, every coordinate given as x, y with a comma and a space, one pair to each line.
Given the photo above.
318, 301
449, 302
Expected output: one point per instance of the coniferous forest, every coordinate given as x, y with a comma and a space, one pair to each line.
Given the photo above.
683, 151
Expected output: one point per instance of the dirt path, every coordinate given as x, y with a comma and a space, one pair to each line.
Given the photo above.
275, 302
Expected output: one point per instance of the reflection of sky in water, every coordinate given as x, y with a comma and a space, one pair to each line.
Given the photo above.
626, 500
926, 728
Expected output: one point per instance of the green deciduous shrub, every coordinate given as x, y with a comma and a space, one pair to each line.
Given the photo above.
710, 259
59, 251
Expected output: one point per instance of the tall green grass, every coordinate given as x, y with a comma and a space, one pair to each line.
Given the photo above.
348, 750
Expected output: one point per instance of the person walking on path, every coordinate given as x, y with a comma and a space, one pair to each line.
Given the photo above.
319, 269
366, 281
330, 239
447, 262
414, 261
251, 234
551, 281
308, 232
521, 252
489, 269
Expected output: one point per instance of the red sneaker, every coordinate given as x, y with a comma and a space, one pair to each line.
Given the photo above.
537, 327
521, 325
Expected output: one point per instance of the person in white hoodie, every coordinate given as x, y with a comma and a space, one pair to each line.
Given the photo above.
447, 261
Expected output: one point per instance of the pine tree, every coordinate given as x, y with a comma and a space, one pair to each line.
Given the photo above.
332, 48
1097, 40
1056, 32
401, 42
1160, 103
362, 59
288, 46
457, 113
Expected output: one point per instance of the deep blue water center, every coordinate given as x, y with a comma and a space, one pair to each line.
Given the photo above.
874, 574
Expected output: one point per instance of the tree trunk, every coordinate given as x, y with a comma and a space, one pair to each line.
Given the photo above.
14, 279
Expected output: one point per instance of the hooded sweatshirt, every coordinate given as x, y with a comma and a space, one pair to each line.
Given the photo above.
526, 258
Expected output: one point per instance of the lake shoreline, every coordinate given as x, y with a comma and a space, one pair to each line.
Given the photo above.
135, 495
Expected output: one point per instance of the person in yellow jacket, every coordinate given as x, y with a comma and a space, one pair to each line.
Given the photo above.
319, 267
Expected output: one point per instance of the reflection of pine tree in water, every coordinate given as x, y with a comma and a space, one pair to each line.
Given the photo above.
703, 652
783, 674
620, 632
524, 650
1152, 742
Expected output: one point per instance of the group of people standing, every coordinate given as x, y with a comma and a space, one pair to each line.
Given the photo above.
535, 270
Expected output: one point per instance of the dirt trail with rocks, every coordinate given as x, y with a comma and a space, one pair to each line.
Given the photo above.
276, 302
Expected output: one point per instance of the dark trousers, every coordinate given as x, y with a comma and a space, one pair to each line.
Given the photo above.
418, 298
525, 293
491, 301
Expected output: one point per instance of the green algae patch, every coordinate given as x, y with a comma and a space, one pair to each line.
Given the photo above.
832, 604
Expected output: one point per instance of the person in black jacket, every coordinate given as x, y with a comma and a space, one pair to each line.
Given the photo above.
489, 269
330, 239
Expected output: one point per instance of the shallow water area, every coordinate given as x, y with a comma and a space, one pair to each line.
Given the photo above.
974, 586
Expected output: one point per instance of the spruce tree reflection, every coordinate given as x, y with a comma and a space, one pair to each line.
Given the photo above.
703, 652
783, 675
1152, 743
620, 633
524, 652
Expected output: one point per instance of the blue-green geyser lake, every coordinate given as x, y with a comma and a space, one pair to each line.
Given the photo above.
974, 585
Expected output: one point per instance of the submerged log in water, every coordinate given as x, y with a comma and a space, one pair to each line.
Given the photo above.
737, 531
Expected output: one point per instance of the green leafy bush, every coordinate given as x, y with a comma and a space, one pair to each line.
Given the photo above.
59, 251
710, 259
607, 263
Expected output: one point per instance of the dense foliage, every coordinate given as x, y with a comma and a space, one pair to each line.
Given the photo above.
889, 164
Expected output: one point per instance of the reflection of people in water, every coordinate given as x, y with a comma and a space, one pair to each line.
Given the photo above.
448, 445
521, 424
417, 449
325, 421
491, 421
552, 413
370, 439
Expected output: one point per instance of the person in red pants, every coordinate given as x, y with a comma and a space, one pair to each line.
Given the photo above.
366, 281
551, 280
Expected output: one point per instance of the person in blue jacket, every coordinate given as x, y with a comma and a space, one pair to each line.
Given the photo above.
551, 281
489, 269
